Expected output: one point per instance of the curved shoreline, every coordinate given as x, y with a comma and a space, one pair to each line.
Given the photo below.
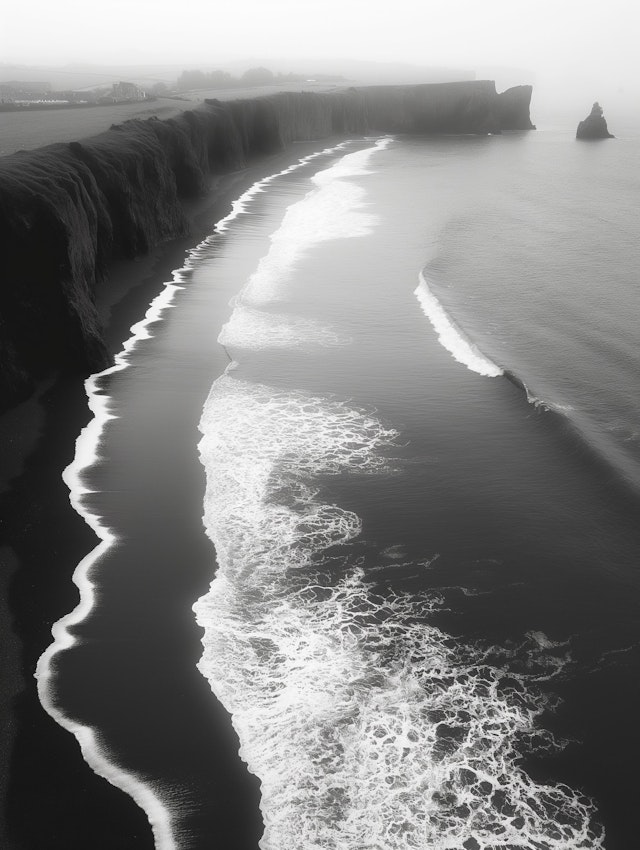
70, 210
88, 453
44, 563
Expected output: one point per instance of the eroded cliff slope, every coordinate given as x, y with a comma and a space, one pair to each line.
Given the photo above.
68, 210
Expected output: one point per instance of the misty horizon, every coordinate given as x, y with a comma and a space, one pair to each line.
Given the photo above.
577, 47
319, 412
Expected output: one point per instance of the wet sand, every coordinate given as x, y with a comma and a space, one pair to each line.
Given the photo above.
52, 798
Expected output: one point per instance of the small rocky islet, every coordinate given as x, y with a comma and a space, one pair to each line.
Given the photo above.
594, 125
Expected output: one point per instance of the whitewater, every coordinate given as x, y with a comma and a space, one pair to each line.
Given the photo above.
155, 801
367, 726
366, 477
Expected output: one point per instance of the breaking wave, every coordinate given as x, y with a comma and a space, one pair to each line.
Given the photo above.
89, 445
450, 336
334, 209
368, 727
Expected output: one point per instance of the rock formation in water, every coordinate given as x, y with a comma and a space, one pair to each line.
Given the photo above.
594, 125
69, 210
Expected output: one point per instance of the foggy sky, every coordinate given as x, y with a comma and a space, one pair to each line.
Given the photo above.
576, 40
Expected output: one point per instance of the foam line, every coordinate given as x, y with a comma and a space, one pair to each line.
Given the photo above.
367, 726
257, 329
450, 336
88, 444
333, 209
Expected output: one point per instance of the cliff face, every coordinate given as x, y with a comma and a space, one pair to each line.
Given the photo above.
594, 125
460, 107
513, 108
68, 210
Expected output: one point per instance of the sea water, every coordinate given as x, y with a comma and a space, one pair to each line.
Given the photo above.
421, 464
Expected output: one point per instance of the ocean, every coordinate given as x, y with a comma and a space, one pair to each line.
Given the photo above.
366, 482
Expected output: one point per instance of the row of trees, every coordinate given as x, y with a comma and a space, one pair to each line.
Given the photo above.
253, 77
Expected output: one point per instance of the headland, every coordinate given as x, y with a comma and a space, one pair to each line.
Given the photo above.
68, 211
90, 231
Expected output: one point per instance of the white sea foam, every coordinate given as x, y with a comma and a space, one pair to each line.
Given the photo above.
544, 404
450, 336
87, 453
262, 444
155, 804
352, 165
335, 209
249, 327
367, 726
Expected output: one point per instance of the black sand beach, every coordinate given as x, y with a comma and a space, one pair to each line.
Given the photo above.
493, 567
52, 798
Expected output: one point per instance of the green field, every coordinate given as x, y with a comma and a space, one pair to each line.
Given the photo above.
28, 129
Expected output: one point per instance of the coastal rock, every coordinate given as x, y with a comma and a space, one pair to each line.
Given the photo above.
469, 107
594, 125
68, 211
513, 108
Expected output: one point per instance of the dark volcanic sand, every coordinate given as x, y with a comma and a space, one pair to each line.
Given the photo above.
52, 799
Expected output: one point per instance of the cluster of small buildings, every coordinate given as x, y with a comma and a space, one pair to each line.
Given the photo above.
126, 91
24, 93
19, 91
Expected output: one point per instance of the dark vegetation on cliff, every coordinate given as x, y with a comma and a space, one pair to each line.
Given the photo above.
594, 125
67, 211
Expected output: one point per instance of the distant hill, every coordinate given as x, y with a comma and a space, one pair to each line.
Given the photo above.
361, 71
90, 76
78, 76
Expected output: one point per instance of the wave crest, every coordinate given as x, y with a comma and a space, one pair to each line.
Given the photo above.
450, 336
367, 726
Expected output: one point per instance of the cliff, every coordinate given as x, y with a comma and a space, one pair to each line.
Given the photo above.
594, 125
513, 108
67, 211
460, 107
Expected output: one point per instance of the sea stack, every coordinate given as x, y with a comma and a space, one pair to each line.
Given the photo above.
594, 125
